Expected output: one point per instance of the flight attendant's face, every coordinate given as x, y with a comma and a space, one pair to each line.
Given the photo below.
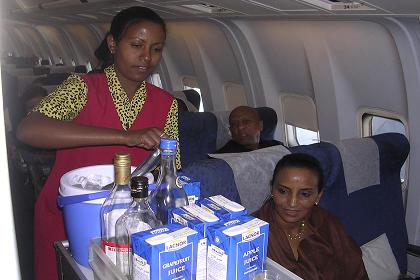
138, 52
295, 192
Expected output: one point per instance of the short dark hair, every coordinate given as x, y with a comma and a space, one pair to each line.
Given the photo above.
127, 17
301, 160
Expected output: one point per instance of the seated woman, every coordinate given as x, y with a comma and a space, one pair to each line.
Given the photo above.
304, 238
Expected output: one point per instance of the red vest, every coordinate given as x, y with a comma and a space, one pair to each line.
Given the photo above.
99, 111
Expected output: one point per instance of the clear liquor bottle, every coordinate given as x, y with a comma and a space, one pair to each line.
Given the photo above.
116, 203
168, 193
138, 217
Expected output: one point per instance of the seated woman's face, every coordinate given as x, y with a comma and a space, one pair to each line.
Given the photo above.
295, 192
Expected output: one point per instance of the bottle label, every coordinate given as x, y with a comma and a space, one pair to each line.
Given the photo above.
123, 258
123, 248
110, 249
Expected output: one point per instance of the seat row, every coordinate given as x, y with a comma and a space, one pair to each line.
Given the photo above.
362, 183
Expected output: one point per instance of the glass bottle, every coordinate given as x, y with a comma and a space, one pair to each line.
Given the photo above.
116, 203
138, 217
168, 194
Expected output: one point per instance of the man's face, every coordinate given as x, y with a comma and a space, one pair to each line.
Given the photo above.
245, 127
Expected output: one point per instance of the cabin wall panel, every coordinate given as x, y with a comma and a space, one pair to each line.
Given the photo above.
342, 65
366, 65
57, 42
91, 40
200, 49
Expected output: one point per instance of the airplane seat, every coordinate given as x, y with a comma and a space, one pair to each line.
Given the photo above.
49, 88
55, 78
223, 133
24, 62
215, 177
62, 69
362, 188
367, 198
268, 116
45, 62
193, 96
24, 82
80, 69
197, 136
181, 95
41, 70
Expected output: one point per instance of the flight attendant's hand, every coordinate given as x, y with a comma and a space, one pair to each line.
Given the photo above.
148, 138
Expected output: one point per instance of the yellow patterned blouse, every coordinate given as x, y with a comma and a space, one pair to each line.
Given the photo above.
69, 98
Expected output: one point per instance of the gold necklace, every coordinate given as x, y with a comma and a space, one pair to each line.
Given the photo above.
300, 234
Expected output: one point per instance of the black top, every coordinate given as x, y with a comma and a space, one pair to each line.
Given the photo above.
233, 147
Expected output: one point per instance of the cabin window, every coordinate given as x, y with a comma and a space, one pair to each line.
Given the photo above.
191, 83
300, 120
377, 123
234, 95
296, 136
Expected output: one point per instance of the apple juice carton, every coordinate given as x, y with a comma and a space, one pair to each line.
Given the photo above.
165, 253
195, 217
222, 207
236, 248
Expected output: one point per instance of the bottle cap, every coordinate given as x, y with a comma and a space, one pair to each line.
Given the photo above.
122, 159
139, 187
167, 144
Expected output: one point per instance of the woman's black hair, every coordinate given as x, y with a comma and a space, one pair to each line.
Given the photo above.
119, 25
103, 55
130, 16
301, 160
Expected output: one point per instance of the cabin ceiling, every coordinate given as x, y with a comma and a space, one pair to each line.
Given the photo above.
103, 10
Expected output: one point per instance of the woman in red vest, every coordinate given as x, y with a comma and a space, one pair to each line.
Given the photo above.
90, 117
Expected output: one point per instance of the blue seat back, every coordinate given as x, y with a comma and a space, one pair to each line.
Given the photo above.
269, 119
197, 136
370, 209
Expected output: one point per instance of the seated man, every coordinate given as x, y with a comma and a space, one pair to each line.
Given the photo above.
245, 128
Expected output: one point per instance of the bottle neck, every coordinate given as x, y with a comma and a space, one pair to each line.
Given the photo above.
122, 175
141, 202
167, 166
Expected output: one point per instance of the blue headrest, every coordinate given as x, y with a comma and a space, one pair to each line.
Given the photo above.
193, 96
269, 119
80, 69
329, 157
197, 135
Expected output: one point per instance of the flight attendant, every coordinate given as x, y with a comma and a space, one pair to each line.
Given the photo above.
89, 118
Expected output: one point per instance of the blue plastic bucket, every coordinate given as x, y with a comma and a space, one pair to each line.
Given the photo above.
81, 208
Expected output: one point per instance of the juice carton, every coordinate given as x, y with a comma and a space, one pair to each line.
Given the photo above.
198, 219
165, 253
222, 207
236, 248
191, 187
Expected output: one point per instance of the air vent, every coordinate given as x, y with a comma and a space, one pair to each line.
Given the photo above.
335, 5
208, 8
